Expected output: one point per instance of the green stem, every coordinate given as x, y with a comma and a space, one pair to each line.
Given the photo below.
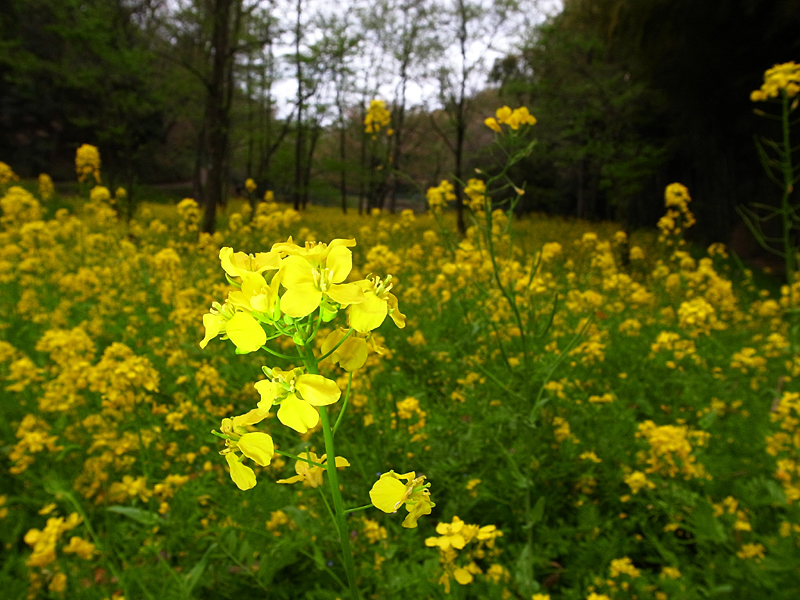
278, 354
316, 329
336, 347
786, 167
330, 511
300, 458
344, 405
333, 484
338, 504
352, 510
96, 539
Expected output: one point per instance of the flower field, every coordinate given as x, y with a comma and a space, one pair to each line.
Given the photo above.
553, 410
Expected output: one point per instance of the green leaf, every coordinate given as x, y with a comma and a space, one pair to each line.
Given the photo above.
144, 517
523, 572
193, 577
536, 513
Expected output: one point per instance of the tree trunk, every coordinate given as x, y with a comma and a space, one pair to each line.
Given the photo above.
300, 141
342, 155
315, 133
218, 111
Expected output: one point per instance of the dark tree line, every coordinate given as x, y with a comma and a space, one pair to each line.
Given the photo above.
630, 95
634, 95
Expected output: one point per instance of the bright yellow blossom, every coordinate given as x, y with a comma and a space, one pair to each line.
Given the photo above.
100, 193
87, 162
309, 277
377, 116
241, 328
351, 354
780, 78
80, 547
389, 494
311, 475
297, 393
378, 302
46, 189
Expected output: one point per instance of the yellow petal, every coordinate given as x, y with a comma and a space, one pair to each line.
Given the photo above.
240, 264
503, 114
297, 414
368, 315
293, 479
394, 311
317, 390
388, 493
244, 477
240, 300
245, 332
341, 463
230, 262
345, 294
252, 284
234, 263
213, 324
433, 541
491, 122
421, 507
269, 391
257, 446
296, 271
340, 262
333, 338
352, 353
266, 261
287, 247
251, 417
300, 300
462, 576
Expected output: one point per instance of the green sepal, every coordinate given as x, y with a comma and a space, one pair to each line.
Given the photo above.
234, 283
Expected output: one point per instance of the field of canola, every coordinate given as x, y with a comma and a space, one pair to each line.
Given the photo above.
597, 417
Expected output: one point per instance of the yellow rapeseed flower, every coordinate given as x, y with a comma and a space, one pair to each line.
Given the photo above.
309, 277
389, 494
311, 475
377, 116
297, 393
87, 162
784, 77
378, 302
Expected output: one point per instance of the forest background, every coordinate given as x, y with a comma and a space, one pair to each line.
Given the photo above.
629, 97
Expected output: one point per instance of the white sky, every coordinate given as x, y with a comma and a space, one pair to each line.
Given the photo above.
423, 88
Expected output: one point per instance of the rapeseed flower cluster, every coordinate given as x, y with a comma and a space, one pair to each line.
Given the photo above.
513, 118
453, 538
678, 217
108, 385
7, 175
87, 163
671, 448
439, 196
783, 78
43, 543
46, 189
377, 116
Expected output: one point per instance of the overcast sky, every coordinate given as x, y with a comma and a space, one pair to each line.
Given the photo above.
500, 38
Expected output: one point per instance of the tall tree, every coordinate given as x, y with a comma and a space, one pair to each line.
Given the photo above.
74, 72
411, 39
